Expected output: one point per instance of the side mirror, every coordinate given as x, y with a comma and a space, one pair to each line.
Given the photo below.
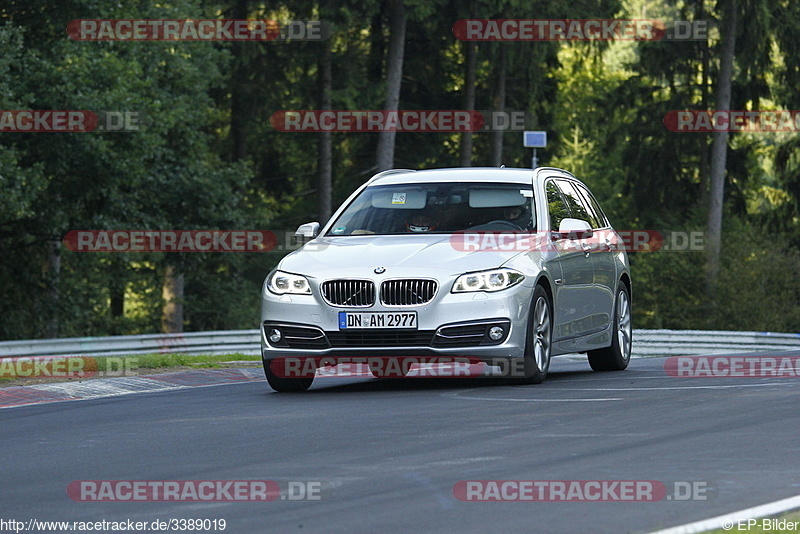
307, 231
574, 229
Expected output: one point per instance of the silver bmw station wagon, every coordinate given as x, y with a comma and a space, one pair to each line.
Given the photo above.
498, 266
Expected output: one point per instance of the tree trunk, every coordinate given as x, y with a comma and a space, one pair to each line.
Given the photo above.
377, 49
53, 286
116, 290
394, 75
499, 104
705, 85
719, 147
471, 53
325, 152
239, 98
172, 294
117, 297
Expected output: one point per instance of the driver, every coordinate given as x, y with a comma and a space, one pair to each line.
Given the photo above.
421, 223
517, 215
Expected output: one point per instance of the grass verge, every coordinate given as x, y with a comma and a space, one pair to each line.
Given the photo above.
28, 371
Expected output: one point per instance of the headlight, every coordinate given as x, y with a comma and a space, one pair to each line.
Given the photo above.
281, 283
494, 280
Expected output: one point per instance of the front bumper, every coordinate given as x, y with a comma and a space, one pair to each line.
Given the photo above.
452, 325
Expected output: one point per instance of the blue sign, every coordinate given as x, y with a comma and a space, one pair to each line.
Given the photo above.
534, 139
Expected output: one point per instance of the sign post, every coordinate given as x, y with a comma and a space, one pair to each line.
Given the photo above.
534, 139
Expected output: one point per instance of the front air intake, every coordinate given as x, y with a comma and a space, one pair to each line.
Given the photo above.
349, 293
408, 292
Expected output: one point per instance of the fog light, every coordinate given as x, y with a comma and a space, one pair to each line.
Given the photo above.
496, 333
275, 335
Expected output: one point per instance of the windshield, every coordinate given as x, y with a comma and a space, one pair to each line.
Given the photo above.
438, 208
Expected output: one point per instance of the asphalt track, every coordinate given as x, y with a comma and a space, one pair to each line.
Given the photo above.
388, 453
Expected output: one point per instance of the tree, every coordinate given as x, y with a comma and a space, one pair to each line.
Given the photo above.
470, 66
325, 153
499, 104
719, 146
394, 78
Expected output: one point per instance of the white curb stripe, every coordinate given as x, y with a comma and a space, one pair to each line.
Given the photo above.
731, 520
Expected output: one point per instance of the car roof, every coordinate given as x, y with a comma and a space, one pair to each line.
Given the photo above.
461, 174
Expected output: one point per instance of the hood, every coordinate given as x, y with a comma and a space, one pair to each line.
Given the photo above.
401, 255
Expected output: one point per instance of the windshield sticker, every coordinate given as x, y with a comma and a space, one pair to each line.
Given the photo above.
338, 230
398, 198
527, 193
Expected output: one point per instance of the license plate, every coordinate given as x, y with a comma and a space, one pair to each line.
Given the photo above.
355, 320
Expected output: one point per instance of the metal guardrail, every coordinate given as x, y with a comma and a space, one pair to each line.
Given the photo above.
645, 343
217, 342
696, 342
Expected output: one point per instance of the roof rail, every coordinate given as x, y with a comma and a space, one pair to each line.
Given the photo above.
556, 169
388, 172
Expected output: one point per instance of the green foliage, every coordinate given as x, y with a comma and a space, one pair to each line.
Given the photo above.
168, 175
207, 157
758, 288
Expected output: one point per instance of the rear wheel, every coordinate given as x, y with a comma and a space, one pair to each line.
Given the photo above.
285, 384
617, 356
539, 345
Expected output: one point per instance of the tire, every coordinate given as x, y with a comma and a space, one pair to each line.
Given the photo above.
285, 384
617, 356
539, 343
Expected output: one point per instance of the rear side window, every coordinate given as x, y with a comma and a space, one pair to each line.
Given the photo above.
578, 205
594, 205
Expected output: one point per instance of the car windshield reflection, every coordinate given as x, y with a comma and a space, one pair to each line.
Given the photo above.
437, 208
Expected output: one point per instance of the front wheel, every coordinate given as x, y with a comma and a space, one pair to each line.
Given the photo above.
285, 384
539, 345
617, 356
